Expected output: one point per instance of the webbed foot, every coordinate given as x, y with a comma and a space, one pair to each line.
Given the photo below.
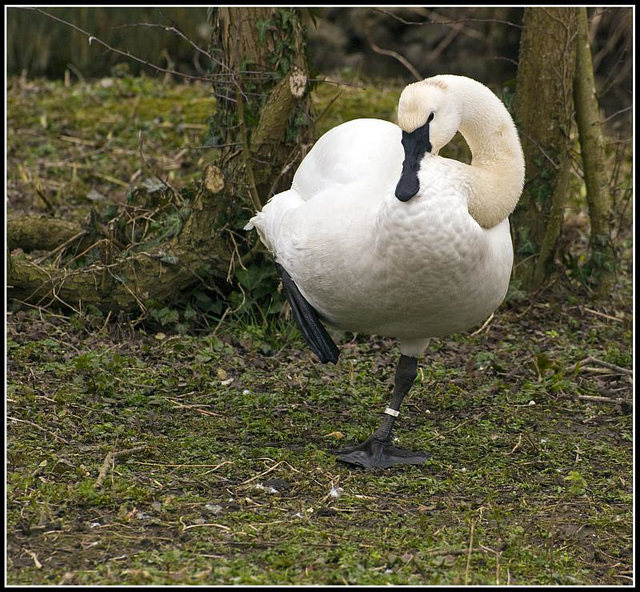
374, 452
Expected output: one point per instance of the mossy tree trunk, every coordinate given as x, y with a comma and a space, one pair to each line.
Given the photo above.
543, 107
601, 264
261, 69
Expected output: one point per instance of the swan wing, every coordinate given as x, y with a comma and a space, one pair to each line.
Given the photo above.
367, 151
343, 178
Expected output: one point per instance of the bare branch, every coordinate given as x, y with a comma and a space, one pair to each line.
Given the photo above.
388, 52
175, 31
445, 22
618, 113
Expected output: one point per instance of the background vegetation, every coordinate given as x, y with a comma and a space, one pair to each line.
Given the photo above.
191, 442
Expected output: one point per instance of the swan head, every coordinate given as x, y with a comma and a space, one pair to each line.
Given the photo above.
429, 117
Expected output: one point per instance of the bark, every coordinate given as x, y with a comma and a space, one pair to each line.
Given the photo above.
113, 288
602, 255
543, 107
31, 233
267, 112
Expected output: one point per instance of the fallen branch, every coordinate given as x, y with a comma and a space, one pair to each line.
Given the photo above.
124, 281
592, 360
603, 315
596, 399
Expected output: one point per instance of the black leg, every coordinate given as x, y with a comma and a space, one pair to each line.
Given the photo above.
377, 450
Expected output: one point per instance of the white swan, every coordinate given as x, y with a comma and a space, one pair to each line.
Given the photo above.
378, 234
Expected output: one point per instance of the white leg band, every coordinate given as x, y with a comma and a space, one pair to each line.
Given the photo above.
391, 412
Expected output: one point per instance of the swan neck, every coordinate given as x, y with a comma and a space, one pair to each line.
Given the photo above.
497, 164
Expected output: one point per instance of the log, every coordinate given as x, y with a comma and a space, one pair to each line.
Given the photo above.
129, 280
39, 233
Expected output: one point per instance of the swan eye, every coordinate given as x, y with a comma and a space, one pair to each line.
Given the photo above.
433, 114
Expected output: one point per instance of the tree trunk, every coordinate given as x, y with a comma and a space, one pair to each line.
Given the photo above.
263, 74
543, 107
163, 243
601, 262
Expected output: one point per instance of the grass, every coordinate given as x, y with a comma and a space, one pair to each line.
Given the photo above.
217, 424
138, 457
83, 145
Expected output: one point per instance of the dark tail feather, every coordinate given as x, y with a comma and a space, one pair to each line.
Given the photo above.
305, 315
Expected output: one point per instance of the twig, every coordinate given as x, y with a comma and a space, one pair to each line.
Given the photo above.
175, 31
263, 473
326, 109
337, 83
394, 54
517, 444
182, 465
77, 72
593, 360
603, 371
466, 571
35, 425
605, 399
110, 178
438, 21
274, 543
46, 201
435, 54
109, 461
185, 527
601, 314
617, 113
89, 248
623, 577
126, 54
179, 405
268, 471
452, 551
60, 247
497, 554
483, 325
34, 557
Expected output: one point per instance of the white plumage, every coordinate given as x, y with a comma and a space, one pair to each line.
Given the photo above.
369, 258
370, 263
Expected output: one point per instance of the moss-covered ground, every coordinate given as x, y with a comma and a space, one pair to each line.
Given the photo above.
140, 456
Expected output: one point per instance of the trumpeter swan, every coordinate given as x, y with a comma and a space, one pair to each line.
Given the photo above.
381, 235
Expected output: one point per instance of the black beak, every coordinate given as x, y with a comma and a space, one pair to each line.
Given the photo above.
415, 144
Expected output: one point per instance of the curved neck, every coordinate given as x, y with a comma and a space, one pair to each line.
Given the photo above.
497, 166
